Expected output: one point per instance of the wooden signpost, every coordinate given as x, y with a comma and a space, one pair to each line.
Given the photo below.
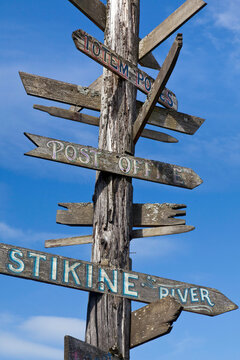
87, 276
91, 99
147, 323
171, 120
95, 10
120, 66
187, 10
75, 349
136, 234
157, 88
144, 215
92, 120
153, 320
108, 277
122, 164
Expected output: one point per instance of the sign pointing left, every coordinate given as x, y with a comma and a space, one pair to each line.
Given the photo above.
121, 164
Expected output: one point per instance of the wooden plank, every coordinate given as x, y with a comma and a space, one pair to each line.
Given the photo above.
147, 323
160, 231
92, 120
75, 349
60, 91
103, 160
144, 215
136, 234
96, 85
95, 10
77, 274
120, 66
81, 96
153, 320
169, 26
157, 88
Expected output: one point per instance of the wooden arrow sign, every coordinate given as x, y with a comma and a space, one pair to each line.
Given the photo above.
121, 164
75, 349
147, 323
92, 120
136, 234
87, 276
91, 99
117, 64
169, 26
95, 10
144, 215
157, 88
153, 320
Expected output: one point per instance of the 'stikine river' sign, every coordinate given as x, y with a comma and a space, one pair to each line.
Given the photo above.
82, 275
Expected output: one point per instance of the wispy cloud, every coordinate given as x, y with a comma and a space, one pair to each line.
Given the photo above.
55, 328
31, 338
156, 247
20, 236
227, 15
14, 347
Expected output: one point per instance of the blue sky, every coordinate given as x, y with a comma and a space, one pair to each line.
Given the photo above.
35, 37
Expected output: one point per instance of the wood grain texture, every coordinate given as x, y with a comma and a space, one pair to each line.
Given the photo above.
114, 62
60, 91
112, 222
147, 323
144, 215
153, 320
77, 274
169, 26
121, 164
95, 85
95, 10
136, 234
91, 99
92, 120
157, 88
75, 349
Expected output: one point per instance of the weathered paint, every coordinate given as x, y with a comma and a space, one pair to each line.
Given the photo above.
114, 62
103, 160
82, 275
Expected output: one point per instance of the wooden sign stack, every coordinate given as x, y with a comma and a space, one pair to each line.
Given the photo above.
112, 330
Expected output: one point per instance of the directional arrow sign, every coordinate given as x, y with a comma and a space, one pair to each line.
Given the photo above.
147, 323
82, 275
95, 10
126, 70
92, 120
157, 88
153, 320
136, 234
145, 215
75, 349
91, 99
122, 164
168, 26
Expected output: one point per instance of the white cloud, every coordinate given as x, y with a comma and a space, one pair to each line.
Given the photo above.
31, 338
9, 233
228, 15
14, 347
53, 328
159, 247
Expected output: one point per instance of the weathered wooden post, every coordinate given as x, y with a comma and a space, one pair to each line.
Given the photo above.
108, 317
108, 278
